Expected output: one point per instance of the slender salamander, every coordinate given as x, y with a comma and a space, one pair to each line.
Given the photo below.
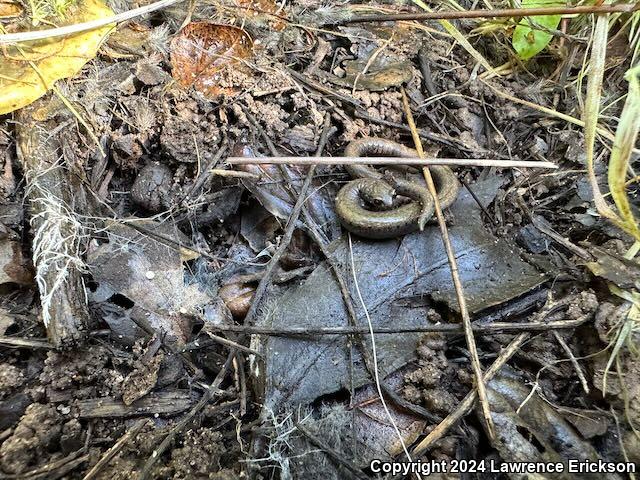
372, 189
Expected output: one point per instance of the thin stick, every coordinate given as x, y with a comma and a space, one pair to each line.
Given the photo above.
181, 425
232, 344
374, 353
235, 174
202, 178
464, 312
466, 404
495, 13
288, 232
574, 362
113, 451
445, 329
456, 162
84, 26
424, 133
16, 342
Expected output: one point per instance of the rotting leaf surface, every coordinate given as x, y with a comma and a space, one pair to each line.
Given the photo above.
202, 50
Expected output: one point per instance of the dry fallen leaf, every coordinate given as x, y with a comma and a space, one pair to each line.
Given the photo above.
30, 69
202, 53
150, 274
10, 10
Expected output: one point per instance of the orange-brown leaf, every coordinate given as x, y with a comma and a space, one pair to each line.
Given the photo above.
202, 52
10, 10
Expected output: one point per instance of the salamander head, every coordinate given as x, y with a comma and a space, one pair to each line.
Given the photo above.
378, 194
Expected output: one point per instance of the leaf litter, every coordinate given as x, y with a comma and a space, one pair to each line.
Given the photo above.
178, 242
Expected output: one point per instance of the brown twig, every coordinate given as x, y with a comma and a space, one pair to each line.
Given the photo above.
424, 133
478, 202
210, 391
232, 344
445, 329
464, 312
495, 13
16, 342
234, 174
288, 232
574, 362
113, 451
466, 404
456, 162
417, 410
242, 381
314, 85
206, 172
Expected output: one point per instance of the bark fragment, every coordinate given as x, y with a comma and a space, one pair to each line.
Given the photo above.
54, 197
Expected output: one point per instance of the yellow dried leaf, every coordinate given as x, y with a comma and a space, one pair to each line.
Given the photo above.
53, 59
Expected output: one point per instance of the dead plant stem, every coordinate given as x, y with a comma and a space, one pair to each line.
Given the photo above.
490, 13
464, 312
84, 26
458, 162
286, 237
209, 393
445, 329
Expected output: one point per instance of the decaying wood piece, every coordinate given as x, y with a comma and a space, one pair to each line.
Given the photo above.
161, 403
53, 194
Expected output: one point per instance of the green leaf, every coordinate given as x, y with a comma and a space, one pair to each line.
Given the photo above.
528, 41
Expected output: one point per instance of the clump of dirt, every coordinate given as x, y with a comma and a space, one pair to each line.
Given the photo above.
199, 454
438, 383
185, 119
127, 462
152, 187
80, 374
37, 433
10, 378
